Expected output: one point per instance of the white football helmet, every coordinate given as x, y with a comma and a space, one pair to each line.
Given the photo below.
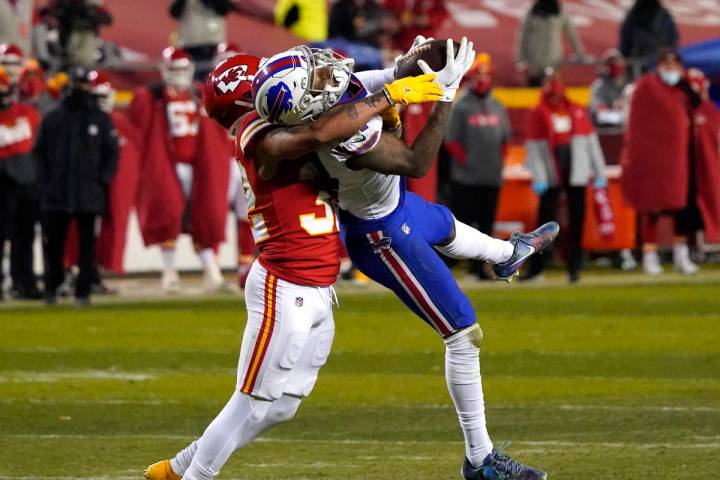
299, 84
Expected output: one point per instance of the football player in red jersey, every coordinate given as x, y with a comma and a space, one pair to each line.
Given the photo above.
18, 126
189, 173
289, 293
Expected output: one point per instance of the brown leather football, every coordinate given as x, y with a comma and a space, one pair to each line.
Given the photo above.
433, 52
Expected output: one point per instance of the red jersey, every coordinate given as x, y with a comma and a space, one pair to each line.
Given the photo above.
183, 116
294, 225
17, 130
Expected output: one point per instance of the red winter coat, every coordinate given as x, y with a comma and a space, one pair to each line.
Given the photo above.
706, 142
160, 202
655, 156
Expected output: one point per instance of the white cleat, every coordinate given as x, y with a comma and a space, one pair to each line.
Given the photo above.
170, 281
651, 263
213, 280
682, 262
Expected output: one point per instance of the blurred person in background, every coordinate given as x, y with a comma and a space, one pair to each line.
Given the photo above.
18, 126
202, 27
26, 75
661, 172
361, 30
647, 29
706, 145
122, 192
477, 136
364, 21
540, 40
78, 23
28, 85
416, 18
77, 153
608, 94
16, 23
608, 110
563, 154
184, 172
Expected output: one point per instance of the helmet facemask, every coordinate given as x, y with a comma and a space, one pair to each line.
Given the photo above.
329, 76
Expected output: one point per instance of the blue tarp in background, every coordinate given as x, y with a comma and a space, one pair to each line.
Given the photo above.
706, 57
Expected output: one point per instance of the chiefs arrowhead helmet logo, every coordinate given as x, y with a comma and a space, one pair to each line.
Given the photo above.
229, 80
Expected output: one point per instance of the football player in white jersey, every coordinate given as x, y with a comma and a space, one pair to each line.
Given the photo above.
392, 234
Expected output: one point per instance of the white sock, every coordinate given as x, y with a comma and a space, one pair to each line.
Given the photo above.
462, 373
207, 256
168, 258
239, 423
182, 460
471, 244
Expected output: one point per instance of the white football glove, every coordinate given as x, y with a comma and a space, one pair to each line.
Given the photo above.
419, 40
455, 68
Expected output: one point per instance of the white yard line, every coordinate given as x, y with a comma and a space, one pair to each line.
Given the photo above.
97, 401
420, 406
54, 377
546, 444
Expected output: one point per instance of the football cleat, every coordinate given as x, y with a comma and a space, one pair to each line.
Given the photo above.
526, 244
170, 281
161, 471
498, 465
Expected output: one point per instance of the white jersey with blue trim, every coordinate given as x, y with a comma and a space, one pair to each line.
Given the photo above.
364, 193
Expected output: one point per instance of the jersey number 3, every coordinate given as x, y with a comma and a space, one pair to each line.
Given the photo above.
313, 224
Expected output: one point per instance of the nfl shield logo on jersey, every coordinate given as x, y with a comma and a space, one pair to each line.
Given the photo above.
298, 301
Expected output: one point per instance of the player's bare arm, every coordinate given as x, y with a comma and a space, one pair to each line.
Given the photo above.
338, 123
392, 156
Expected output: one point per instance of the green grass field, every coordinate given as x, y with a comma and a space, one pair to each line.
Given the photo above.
591, 382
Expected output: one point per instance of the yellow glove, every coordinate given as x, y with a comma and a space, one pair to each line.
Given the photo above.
391, 118
410, 90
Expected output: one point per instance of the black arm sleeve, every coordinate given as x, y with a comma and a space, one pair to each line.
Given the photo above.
109, 153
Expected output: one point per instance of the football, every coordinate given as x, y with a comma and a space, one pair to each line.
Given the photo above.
433, 52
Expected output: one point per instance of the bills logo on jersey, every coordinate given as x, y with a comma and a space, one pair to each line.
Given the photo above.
279, 99
383, 244
231, 78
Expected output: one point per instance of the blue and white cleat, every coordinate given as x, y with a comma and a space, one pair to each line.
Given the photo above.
500, 466
526, 244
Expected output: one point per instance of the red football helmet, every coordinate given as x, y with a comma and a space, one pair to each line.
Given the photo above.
227, 94
103, 90
177, 68
12, 58
226, 50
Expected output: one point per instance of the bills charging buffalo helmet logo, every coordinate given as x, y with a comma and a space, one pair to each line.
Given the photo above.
279, 100
383, 243
229, 80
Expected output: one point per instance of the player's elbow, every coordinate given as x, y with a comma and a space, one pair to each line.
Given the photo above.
415, 168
